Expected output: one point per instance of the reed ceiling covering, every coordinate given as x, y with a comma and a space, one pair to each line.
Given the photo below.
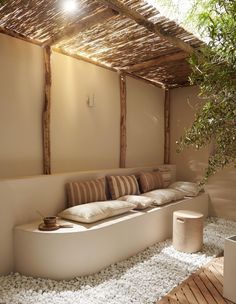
127, 35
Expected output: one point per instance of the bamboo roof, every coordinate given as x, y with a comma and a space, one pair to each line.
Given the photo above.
123, 35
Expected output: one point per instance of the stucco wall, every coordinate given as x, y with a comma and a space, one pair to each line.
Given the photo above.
145, 124
21, 101
82, 137
190, 164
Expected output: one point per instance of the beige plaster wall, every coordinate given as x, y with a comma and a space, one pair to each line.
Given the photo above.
190, 164
21, 99
145, 124
84, 137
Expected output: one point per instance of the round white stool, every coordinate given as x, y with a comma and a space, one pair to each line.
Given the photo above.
187, 231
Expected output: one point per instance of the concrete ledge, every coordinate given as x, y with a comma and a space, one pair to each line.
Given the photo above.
87, 248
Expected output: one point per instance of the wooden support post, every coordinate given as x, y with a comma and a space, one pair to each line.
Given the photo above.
46, 112
167, 127
123, 145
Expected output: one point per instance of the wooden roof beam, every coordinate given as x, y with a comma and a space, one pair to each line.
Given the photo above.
155, 62
75, 28
154, 28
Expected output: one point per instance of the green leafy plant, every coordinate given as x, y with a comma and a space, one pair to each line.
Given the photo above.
214, 71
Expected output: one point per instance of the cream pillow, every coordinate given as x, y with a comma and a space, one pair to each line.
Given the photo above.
92, 212
140, 202
188, 188
163, 196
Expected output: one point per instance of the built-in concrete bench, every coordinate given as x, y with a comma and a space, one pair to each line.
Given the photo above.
87, 248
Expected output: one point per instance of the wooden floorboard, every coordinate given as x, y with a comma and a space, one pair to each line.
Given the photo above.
203, 287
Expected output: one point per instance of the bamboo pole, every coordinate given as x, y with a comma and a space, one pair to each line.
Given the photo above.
46, 112
167, 128
81, 25
123, 144
157, 61
154, 28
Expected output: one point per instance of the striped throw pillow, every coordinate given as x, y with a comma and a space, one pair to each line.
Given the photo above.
82, 192
122, 185
150, 180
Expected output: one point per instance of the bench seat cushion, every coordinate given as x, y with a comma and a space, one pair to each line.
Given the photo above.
163, 196
92, 212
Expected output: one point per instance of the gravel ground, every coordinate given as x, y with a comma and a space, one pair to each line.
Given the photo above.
141, 279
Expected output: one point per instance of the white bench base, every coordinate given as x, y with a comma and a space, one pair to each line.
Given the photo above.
87, 248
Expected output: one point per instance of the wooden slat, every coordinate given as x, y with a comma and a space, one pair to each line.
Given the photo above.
122, 81
180, 296
84, 24
204, 290
167, 127
138, 18
188, 294
203, 287
46, 112
157, 61
215, 294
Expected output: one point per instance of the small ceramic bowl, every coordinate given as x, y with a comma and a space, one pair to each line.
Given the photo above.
50, 221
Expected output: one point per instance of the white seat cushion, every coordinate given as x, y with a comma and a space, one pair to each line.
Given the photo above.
141, 202
92, 212
163, 196
188, 188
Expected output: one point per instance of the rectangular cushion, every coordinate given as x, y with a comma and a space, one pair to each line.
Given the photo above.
81, 192
150, 180
188, 188
122, 185
141, 202
92, 212
163, 196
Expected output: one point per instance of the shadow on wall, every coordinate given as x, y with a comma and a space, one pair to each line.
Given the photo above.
222, 190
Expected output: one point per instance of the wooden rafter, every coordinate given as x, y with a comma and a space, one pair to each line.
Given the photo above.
46, 112
83, 58
18, 36
157, 61
89, 60
167, 127
75, 28
122, 80
154, 28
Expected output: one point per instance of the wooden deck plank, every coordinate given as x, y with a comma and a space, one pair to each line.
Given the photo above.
204, 290
218, 286
216, 295
189, 295
203, 287
181, 296
197, 293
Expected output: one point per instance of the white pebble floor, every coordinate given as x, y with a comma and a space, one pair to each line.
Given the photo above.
141, 279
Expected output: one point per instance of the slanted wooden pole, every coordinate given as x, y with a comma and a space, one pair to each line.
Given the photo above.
155, 62
123, 139
46, 112
123, 9
167, 127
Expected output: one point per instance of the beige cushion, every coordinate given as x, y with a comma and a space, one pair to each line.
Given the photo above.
188, 188
122, 185
163, 196
81, 192
141, 202
92, 212
150, 180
